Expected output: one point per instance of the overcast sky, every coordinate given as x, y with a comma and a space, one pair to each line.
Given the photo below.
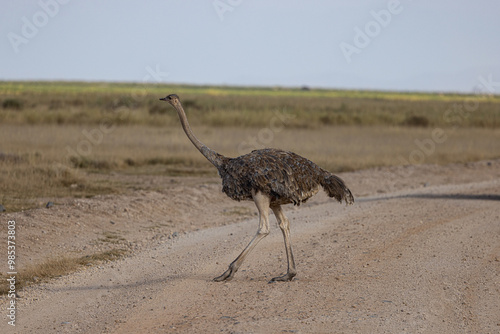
432, 45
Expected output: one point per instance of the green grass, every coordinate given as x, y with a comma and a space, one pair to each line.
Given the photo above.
138, 104
138, 91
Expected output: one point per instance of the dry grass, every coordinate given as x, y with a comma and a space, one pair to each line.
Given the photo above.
31, 180
56, 267
93, 103
69, 140
62, 139
39, 167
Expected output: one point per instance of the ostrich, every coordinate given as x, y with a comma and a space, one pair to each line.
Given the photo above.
270, 177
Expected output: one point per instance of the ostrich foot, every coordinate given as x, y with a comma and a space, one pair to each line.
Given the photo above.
285, 278
226, 276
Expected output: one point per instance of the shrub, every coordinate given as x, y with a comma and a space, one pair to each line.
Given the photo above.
10, 158
421, 121
81, 162
191, 104
12, 104
122, 101
157, 109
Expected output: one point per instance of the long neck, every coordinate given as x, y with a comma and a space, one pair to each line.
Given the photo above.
215, 158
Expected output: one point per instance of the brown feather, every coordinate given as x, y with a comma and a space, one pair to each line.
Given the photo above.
285, 176
270, 177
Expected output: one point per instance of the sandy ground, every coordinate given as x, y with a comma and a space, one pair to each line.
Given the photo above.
419, 252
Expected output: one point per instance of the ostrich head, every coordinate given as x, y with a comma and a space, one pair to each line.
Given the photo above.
173, 99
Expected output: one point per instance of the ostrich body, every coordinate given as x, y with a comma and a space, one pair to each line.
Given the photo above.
270, 177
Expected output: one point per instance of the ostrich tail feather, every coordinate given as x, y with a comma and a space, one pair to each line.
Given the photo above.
336, 188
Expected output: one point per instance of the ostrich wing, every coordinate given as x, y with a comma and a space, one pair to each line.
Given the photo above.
285, 176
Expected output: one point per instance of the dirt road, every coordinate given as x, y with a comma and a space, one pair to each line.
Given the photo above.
410, 256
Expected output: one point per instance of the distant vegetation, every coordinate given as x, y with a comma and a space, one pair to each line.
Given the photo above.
54, 141
92, 103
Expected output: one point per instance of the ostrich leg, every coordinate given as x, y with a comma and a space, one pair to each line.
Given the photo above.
262, 202
285, 228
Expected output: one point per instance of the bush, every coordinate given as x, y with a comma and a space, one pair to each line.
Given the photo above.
421, 121
191, 104
12, 104
10, 158
157, 109
122, 101
81, 162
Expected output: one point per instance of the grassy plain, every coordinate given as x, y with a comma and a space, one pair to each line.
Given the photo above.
64, 139
135, 104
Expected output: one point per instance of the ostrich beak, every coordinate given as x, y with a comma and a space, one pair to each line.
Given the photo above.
163, 99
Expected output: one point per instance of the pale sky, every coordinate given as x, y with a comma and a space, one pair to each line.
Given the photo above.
440, 45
